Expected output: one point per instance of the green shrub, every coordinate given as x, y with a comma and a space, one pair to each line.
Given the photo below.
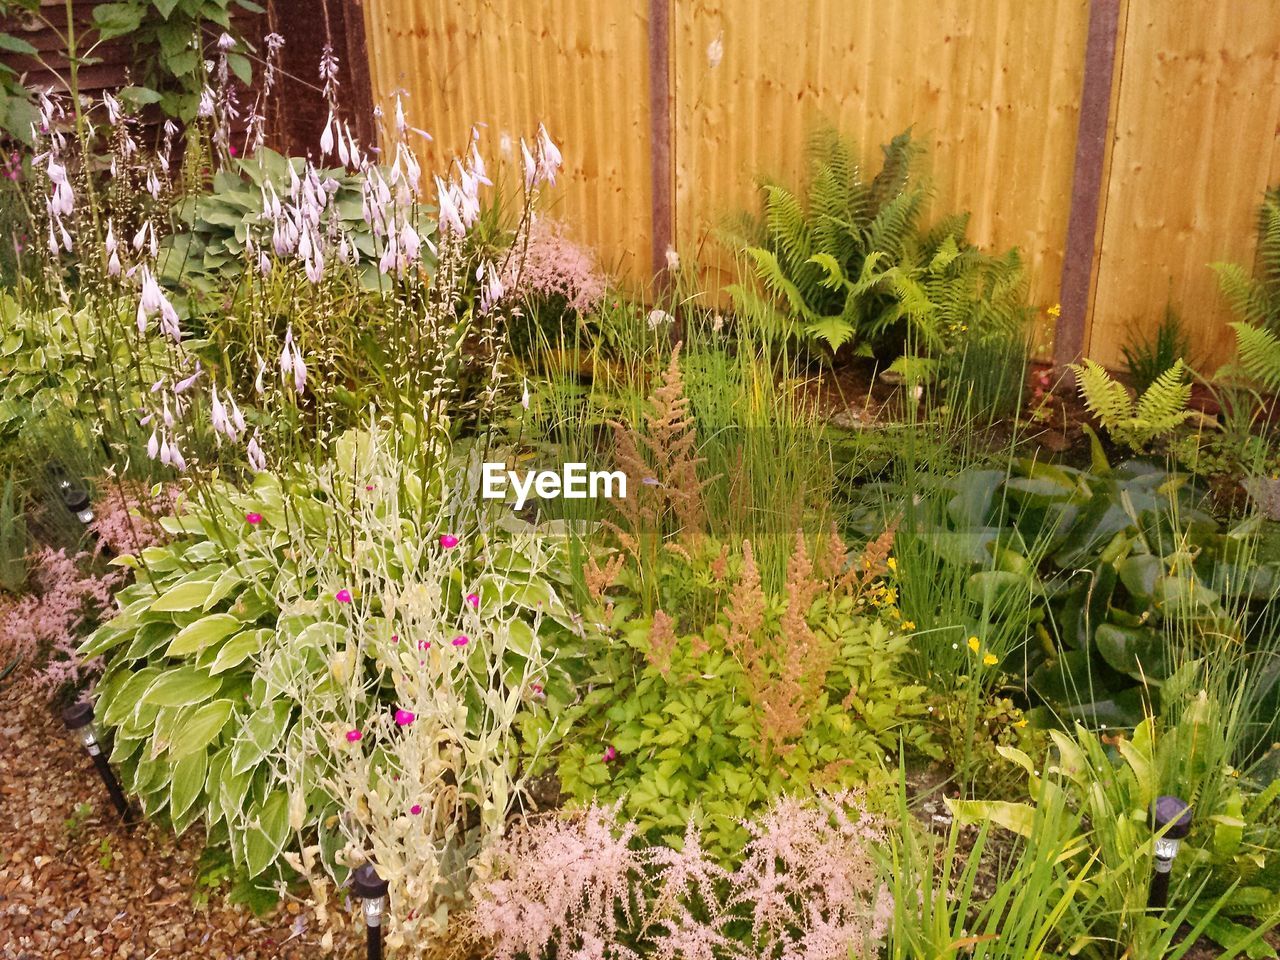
253, 673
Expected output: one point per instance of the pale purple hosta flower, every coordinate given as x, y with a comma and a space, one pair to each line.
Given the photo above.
206, 107
549, 159
314, 269
185, 384
257, 459
154, 301
326, 137
450, 219
264, 264
237, 418
218, 414
113, 258
170, 455
63, 200
113, 108
491, 289
153, 446
291, 362
410, 242
226, 42
166, 415
153, 184
530, 165
258, 386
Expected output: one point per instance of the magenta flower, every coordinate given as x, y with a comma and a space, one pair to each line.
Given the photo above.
474, 600
404, 718
448, 541
353, 736
253, 519
424, 644
461, 640
395, 638
343, 595
537, 691
610, 754
416, 809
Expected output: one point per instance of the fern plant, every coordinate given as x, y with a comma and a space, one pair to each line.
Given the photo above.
1149, 356
1156, 413
1256, 299
847, 262
1258, 355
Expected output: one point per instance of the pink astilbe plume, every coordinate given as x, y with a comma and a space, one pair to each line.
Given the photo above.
807, 887
127, 516
558, 887
553, 265
45, 625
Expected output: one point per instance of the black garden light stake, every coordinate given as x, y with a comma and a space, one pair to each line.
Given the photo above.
74, 496
1171, 820
79, 720
372, 889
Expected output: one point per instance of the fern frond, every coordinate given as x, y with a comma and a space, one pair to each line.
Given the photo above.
776, 281
1247, 297
1103, 396
1163, 405
1258, 352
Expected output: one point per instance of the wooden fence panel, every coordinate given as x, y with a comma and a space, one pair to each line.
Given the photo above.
1194, 147
580, 67
991, 88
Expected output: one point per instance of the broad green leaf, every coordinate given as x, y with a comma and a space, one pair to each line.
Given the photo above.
205, 631
188, 782
201, 728
1018, 817
269, 829
181, 686
259, 735
187, 595
239, 648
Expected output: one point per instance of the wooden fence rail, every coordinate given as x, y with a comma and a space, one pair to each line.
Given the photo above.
1182, 111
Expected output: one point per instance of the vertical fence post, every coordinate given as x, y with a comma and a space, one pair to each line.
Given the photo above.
662, 227
1079, 258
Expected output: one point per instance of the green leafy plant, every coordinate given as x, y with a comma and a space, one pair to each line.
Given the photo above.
13, 538
264, 678
786, 692
1156, 414
1256, 299
848, 262
1148, 357
1227, 870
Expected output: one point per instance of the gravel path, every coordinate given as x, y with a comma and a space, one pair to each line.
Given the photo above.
97, 890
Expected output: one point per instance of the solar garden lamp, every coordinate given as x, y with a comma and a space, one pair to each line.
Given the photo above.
1171, 820
74, 496
79, 720
371, 889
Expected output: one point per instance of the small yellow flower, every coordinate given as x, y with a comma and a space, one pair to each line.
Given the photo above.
1021, 723
1055, 311
908, 624
990, 659
892, 564
974, 644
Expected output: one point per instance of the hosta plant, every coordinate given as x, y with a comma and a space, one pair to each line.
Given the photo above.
329, 668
